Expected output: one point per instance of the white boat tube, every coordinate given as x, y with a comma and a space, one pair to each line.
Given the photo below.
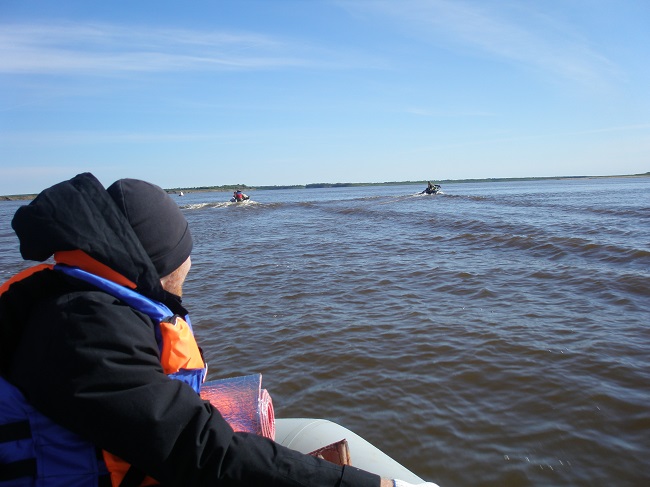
307, 435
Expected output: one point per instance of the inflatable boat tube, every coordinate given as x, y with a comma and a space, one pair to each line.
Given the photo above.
307, 435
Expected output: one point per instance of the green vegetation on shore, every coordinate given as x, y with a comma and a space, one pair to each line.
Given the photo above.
244, 187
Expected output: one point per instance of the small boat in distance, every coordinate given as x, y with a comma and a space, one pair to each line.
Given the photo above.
432, 188
238, 197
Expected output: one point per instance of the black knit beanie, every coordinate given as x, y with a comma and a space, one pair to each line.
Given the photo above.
157, 221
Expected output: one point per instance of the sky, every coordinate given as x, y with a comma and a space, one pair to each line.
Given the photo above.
283, 92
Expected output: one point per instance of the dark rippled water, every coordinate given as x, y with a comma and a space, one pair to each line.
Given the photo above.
493, 335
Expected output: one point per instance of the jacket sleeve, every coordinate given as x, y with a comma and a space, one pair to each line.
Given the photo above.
92, 365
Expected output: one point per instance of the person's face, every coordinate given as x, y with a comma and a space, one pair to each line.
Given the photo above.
173, 283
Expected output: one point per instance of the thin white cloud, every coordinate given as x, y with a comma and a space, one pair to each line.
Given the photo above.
511, 32
425, 112
79, 138
622, 128
63, 138
640, 144
100, 49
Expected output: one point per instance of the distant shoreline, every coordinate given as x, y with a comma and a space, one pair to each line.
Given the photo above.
227, 188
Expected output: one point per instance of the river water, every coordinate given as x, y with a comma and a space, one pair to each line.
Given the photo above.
494, 335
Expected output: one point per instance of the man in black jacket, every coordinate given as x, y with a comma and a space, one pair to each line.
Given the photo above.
92, 364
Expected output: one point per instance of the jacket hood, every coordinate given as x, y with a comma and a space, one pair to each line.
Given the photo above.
79, 214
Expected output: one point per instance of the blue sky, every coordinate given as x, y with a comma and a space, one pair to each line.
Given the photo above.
276, 92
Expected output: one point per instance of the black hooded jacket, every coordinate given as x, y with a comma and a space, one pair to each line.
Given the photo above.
91, 363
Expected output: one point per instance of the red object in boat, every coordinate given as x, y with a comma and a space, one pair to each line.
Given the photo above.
243, 403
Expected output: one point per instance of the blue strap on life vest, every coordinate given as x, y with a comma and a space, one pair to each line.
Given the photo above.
155, 310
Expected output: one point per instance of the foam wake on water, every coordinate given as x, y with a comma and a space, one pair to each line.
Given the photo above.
219, 204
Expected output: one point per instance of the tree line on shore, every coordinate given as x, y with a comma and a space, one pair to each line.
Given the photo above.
244, 187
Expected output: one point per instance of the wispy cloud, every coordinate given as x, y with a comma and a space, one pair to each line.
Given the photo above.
425, 112
622, 128
100, 49
73, 137
511, 32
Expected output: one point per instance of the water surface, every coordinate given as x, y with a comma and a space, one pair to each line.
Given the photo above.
493, 335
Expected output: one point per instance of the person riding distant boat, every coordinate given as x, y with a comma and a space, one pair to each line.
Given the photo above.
238, 196
431, 188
